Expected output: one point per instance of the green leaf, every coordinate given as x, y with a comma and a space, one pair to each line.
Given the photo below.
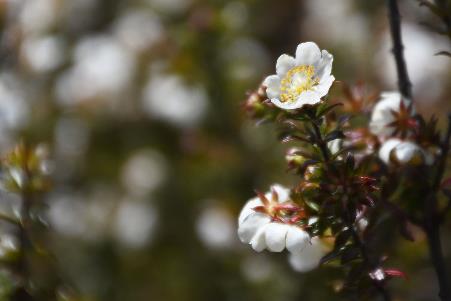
335, 134
342, 238
312, 205
324, 109
330, 256
349, 254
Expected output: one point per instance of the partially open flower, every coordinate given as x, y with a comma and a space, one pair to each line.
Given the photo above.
309, 258
392, 115
262, 225
404, 152
300, 80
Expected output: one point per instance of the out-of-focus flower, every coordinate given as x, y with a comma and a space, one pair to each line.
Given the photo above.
139, 30
9, 245
262, 232
38, 16
134, 224
169, 98
86, 217
257, 268
404, 152
13, 108
391, 114
420, 47
309, 258
235, 14
143, 172
350, 25
215, 227
71, 138
43, 54
170, 6
302, 80
246, 59
103, 69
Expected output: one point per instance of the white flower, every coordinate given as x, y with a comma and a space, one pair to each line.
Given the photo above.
383, 116
302, 80
335, 145
309, 258
170, 98
215, 227
261, 232
404, 152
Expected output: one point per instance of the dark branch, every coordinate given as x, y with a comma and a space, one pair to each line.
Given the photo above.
405, 87
432, 222
444, 6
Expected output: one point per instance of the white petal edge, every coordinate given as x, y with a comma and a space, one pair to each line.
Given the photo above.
275, 236
272, 84
386, 148
307, 53
258, 242
297, 239
309, 258
249, 209
284, 63
324, 66
251, 225
306, 98
282, 192
324, 85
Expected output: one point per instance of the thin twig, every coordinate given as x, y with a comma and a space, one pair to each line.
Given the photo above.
405, 86
350, 224
432, 222
444, 6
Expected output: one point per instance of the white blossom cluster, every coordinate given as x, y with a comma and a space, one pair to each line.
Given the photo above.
262, 232
383, 125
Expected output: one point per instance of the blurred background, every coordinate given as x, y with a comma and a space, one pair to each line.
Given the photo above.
139, 102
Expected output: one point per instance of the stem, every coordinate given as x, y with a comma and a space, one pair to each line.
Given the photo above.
355, 236
405, 87
320, 142
25, 243
366, 258
443, 5
435, 250
432, 222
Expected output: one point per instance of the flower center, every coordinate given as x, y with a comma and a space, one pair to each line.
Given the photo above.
297, 80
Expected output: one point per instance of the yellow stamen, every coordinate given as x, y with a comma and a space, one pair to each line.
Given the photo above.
297, 80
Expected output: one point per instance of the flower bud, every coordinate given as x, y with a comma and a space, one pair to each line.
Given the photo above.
313, 173
254, 105
294, 159
404, 152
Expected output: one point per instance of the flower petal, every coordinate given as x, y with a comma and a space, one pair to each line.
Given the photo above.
324, 85
249, 209
275, 236
307, 54
297, 239
306, 98
282, 192
406, 150
272, 84
309, 258
284, 63
250, 225
382, 114
258, 242
387, 147
324, 66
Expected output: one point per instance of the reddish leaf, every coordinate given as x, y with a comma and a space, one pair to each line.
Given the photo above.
395, 273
